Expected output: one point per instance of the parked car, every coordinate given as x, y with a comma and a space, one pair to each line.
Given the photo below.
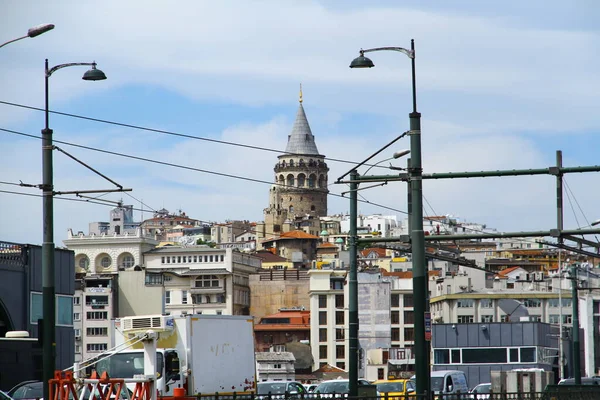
279, 389
310, 387
27, 390
481, 391
396, 389
341, 387
594, 380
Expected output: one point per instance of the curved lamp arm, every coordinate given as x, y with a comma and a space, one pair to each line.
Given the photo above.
32, 32
409, 53
57, 67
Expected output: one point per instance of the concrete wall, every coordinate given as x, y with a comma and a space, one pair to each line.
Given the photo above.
135, 298
267, 297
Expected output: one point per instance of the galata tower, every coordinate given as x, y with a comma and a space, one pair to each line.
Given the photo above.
299, 196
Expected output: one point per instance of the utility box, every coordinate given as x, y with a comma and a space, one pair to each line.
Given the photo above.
532, 380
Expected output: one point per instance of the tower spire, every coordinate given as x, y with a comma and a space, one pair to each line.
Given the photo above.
300, 93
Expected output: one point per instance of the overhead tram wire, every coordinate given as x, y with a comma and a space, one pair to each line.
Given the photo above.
587, 221
165, 132
203, 170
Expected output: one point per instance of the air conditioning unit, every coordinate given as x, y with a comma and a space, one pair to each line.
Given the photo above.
157, 323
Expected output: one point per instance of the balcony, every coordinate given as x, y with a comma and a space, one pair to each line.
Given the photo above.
207, 290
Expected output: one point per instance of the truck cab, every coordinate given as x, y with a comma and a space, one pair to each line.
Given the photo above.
130, 363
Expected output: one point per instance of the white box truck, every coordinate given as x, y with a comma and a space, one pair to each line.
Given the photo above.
204, 354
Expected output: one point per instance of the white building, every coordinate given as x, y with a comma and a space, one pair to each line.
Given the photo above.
382, 224
455, 300
275, 366
386, 320
201, 279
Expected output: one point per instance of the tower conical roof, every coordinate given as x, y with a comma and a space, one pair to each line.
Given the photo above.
301, 141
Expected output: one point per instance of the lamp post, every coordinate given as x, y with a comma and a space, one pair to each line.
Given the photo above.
32, 32
417, 237
48, 291
395, 156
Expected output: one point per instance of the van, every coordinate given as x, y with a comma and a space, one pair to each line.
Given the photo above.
448, 382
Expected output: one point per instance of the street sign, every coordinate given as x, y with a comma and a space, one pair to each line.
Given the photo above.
428, 326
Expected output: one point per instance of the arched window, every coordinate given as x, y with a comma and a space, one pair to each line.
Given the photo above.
84, 262
321, 181
312, 208
312, 180
301, 180
291, 209
291, 163
290, 180
126, 260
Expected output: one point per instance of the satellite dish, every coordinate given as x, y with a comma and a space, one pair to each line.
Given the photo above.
514, 309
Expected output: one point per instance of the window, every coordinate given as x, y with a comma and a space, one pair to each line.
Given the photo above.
76, 301
340, 334
154, 279
484, 355
465, 319
35, 306
96, 347
395, 317
341, 365
77, 333
527, 354
409, 317
487, 318
322, 334
76, 316
322, 317
340, 351
96, 300
97, 315
554, 318
409, 334
277, 366
513, 355
127, 261
455, 356
96, 331
339, 317
77, 349
222, 258
64, 310
339, 301
441, 356
162, 260
465, 303
395, 300
207, 281
212, 258
504, 318
195, 258
184, 297
510, 285
84, 262
395, 334
323, 351
322, 301
408, 300
532, 303
168, 297
485, 303
105, 262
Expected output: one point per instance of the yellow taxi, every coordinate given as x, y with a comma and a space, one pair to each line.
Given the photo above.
395, 389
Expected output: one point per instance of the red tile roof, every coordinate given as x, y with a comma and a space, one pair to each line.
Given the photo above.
507, 271
380, 252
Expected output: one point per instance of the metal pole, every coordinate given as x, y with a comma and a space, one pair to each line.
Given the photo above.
409, 199
417, 239
353, 292
575, 297
48, 296
559, 226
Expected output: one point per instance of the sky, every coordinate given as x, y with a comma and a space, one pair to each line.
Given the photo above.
498, 88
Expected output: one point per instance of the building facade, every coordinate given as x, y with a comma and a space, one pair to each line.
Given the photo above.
201, 279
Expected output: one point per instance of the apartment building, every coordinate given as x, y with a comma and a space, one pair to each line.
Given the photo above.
455, 300
386, 321
201, 279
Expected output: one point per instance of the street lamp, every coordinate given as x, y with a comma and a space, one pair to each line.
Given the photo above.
32, 32
395, 156
48, 291
417, 237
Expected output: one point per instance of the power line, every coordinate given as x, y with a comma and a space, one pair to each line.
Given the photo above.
165, 132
